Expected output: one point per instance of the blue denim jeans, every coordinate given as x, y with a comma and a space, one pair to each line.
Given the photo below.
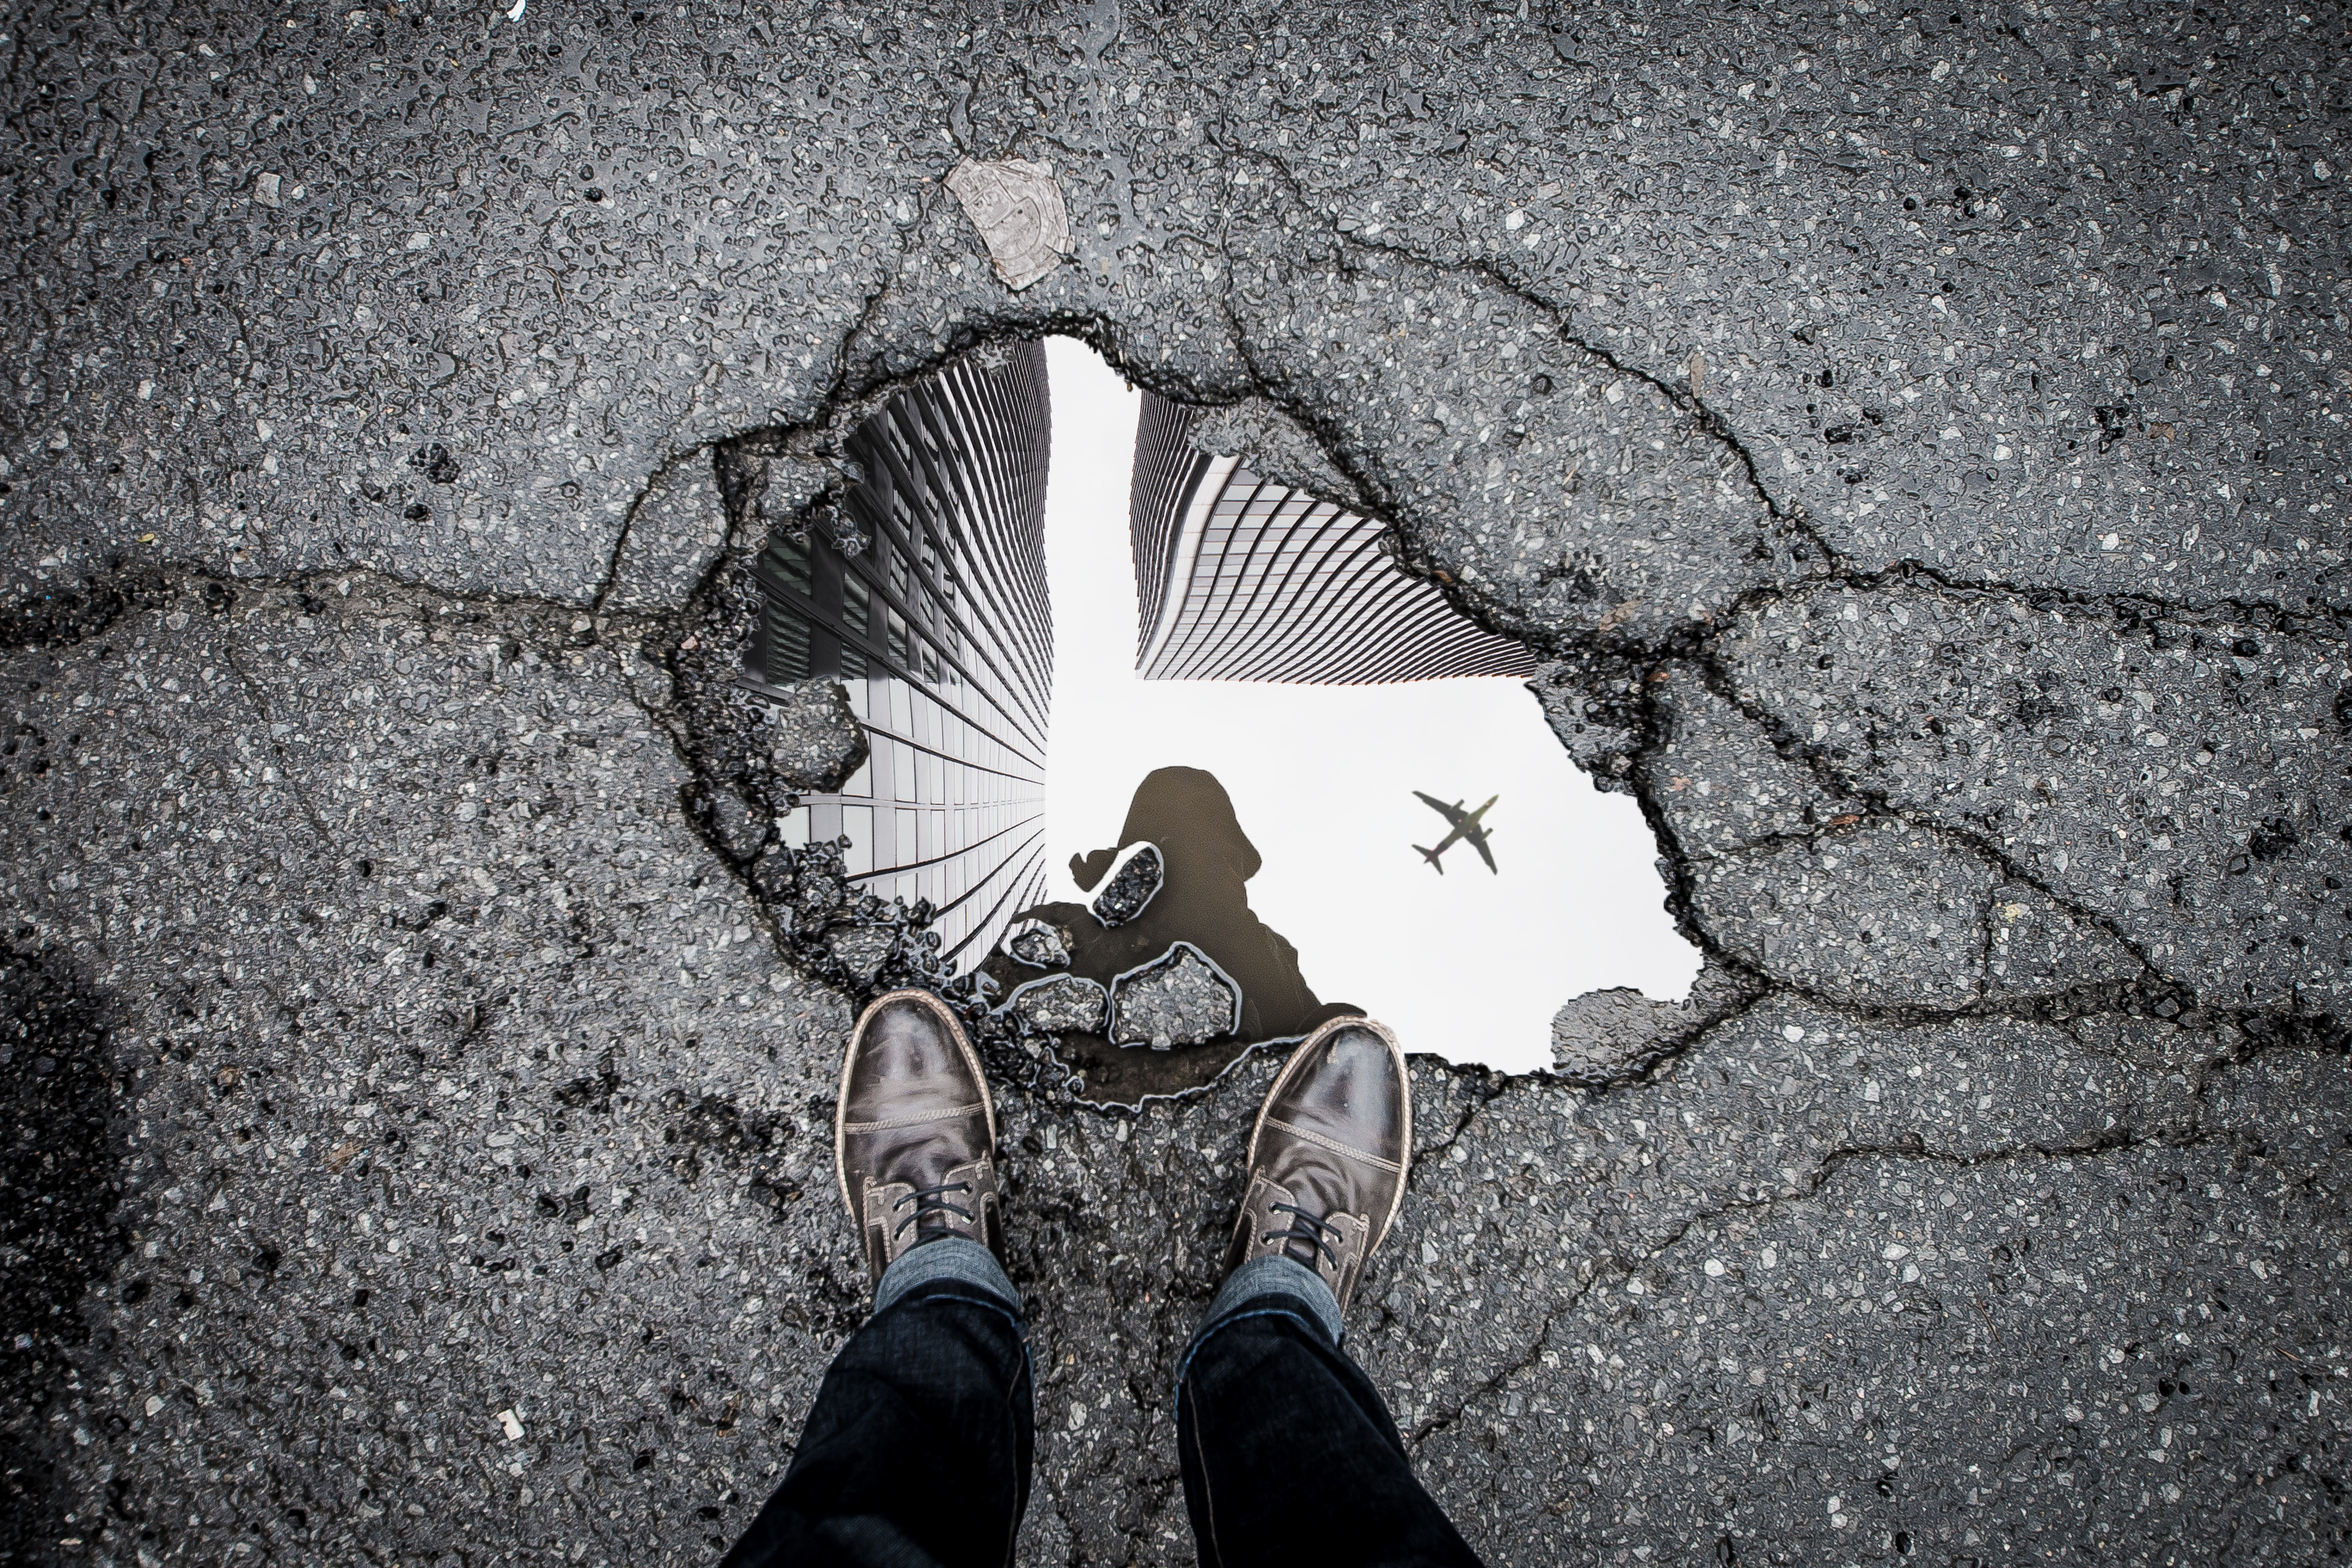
917, 1451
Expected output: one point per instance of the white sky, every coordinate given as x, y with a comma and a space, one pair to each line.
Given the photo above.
1469, 964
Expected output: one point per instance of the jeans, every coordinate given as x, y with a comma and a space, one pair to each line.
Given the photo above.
916, 1454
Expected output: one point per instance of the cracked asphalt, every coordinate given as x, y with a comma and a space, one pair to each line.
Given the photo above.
1913, 439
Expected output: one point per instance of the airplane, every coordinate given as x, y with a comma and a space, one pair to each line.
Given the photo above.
1465, 826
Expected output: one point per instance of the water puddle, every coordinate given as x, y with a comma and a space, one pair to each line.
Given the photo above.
1199, 881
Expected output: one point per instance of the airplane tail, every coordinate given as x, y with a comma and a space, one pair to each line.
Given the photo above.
1431, 856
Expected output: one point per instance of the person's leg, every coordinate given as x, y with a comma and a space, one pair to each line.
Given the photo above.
1288, 1454
917, 1450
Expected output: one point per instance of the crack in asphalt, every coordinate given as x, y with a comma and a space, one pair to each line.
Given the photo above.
1838, 568
2330, 621
1339, 451
1825, 1169
657, 633
1783, 738
1487, 1084
621, 535
253, 699
1680, 394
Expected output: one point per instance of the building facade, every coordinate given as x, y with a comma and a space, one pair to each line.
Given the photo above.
939, 630
1238, 578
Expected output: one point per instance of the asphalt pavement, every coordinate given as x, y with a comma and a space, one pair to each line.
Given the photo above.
1913, 438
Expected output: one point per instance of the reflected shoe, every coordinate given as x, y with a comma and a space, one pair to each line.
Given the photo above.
914, 1135
1328, 1156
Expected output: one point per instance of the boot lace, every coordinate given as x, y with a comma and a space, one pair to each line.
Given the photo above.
1306, 1228
930, 1200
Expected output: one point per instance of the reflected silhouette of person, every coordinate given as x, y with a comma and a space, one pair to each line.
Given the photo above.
1203, 900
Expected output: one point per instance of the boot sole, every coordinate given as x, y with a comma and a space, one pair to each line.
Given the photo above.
946, 1016
1404, 1081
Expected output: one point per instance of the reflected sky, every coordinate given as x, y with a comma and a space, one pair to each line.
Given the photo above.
1468, 964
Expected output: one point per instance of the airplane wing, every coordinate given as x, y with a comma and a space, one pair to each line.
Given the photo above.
1478, 842
1440, 807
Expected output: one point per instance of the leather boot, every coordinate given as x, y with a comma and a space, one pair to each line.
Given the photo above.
1328, 1156
914, 1134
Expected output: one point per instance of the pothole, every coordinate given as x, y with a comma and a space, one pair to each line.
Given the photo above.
1228, 750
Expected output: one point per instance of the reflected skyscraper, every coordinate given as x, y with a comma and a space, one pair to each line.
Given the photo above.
939, 631
1239, 578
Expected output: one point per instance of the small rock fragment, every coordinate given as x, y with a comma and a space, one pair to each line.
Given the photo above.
813, 738
1038, 945
1062, 1005
862, 949
1133, 884
818, 881
1180, 998
743, 828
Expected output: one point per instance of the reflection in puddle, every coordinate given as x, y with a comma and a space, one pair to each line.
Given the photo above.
1202, 900
1308, 688
923, 599
1239, 578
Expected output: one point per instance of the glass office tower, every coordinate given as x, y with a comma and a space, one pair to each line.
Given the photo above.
939, 631
1241, 579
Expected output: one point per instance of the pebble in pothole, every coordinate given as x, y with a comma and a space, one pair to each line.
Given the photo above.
1132, 887
862, 949
1062, 1005
814, 738
1178, 999
1038, 945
